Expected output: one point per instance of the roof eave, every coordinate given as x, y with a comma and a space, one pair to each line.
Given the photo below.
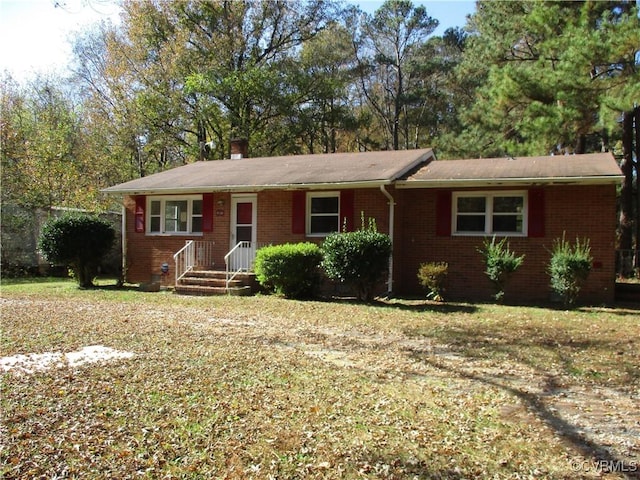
246, 188
508, 182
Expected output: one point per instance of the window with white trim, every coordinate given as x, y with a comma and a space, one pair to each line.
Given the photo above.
323, 213
489, 213
174, 215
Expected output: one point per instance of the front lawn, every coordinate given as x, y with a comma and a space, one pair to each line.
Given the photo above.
261, 387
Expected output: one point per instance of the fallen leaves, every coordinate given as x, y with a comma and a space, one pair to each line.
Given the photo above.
268, 388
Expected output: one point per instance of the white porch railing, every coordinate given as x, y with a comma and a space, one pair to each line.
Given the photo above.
195, 253
240, 259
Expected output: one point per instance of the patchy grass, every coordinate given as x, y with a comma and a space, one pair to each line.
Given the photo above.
261, 387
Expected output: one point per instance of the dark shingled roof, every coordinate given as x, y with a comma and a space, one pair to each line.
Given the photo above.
408, 168
560, 169
298, 171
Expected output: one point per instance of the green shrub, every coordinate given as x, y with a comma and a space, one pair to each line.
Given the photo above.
359, 259
432, 276
500, 263
569, 268
291, 269
79, 242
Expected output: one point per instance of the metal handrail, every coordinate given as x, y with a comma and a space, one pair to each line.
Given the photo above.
231, 255
194, 253
184, 259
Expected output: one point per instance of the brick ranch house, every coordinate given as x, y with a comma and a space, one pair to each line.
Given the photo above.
433, 210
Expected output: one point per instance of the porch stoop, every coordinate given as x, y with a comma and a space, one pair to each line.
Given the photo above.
213, 282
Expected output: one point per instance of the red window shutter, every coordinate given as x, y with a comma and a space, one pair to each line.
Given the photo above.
443, 214
536, 212
207, 212
138, 214
346, 210
298, 212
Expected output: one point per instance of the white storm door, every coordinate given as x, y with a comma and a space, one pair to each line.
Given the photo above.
243, 229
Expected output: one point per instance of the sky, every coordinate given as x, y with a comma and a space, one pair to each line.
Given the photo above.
34, 34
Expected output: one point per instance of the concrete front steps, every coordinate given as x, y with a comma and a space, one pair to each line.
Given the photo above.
213, 282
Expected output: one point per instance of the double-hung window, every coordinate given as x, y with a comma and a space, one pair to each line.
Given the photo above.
323, 213
489, 213
175, 215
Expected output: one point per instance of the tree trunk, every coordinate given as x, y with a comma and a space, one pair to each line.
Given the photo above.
636, 218
626, 193
202, 139
580, 144
395, 128
84, 274
398, 101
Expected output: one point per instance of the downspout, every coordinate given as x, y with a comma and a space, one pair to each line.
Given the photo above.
123, 236
392, 205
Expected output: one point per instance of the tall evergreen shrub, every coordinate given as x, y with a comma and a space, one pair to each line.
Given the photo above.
500, 263
569, 268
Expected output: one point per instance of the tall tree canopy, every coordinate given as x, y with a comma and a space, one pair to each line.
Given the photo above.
558, 77
326, 120
243, 53
41, 162
174, 82
388, 51
548, 69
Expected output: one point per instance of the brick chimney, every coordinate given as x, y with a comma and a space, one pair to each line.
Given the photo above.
239, 148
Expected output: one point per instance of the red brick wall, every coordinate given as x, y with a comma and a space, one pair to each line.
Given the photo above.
146, 254
415, 241
583, 211
274, 218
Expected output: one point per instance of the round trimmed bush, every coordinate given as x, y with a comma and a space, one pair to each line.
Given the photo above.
291, 269
79, 242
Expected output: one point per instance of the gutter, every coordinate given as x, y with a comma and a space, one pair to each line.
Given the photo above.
496, 182
392, 205
123, 247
